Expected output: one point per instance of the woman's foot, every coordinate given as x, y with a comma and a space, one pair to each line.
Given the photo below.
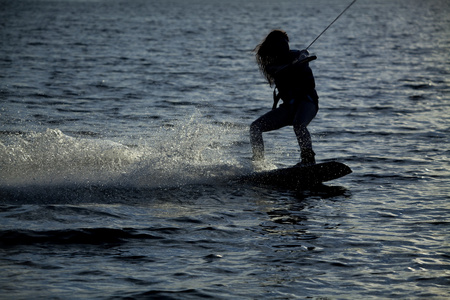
308, 158
303, 164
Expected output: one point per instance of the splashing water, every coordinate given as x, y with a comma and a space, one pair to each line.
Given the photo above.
185, 152
190, 151
52, 157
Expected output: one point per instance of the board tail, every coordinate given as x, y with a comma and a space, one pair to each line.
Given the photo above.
296, 178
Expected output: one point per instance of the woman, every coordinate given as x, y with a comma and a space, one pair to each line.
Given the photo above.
289, 71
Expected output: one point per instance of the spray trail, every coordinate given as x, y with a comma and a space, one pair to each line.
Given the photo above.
184, 152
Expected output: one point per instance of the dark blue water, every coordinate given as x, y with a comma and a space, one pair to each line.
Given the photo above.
123, 123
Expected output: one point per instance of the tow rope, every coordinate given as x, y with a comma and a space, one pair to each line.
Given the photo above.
331, 24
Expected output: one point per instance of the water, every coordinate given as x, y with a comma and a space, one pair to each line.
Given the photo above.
122, 123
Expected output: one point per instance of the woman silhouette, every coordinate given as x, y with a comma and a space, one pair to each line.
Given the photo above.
289, 71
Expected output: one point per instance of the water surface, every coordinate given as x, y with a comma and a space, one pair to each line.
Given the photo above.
122, 123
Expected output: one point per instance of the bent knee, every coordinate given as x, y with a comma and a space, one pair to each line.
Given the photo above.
300, 127
255, 127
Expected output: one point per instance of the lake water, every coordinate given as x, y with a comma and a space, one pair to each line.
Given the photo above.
122, 124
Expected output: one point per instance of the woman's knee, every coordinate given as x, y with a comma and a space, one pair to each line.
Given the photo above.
255, 127
300, 129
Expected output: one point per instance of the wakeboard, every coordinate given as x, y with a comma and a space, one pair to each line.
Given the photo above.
298, 177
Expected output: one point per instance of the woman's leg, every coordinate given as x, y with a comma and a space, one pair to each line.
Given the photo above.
306, 111
274, 119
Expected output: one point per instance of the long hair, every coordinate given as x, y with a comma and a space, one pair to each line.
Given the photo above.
272, 49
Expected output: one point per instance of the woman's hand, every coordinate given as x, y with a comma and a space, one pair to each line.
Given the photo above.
305, 56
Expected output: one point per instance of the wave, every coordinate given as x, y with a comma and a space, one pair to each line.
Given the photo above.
92, 236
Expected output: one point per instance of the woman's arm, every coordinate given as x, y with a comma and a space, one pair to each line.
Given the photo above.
301, 57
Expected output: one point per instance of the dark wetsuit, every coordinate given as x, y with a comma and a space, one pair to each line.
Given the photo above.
295, 81
296, 86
